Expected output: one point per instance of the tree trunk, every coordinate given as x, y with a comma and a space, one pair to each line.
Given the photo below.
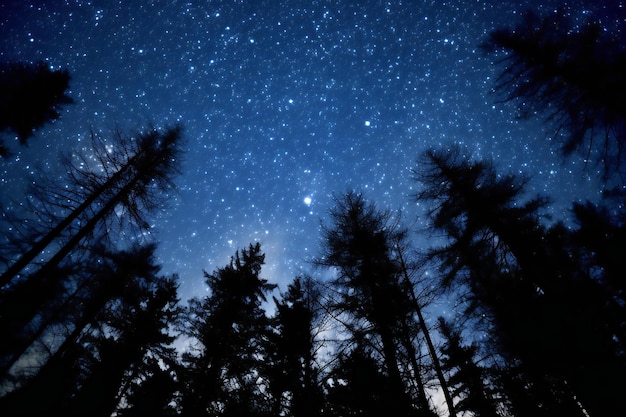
429, 342
42, 243
411, 352
47, 268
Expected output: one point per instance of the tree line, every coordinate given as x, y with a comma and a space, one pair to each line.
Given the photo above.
90, 325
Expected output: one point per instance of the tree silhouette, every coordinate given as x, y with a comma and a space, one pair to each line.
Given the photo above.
468, 198
600, 234
30, 307
31, 95
418, 307
133, 330
153, 393
229, 330
124, 320
132, 177
546, 311
358, 387
293, 372
575, 76
468, 378
359, 244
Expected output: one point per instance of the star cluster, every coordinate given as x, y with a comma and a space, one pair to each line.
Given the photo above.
284, 105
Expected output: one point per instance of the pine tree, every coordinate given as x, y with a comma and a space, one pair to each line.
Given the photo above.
293, 372
546, 311
229, 330
359, 244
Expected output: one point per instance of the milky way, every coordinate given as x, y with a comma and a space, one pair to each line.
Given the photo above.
285, 104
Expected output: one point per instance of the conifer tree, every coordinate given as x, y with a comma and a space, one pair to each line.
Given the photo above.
359, 244
546, 311
467, 377
35, 285
293, 371
574, 76
125, 320
357, 386
229, 329
133, 177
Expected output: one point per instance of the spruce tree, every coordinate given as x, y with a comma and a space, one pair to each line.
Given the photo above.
468, 378
229, 331
293, 371
545, 309
359, 243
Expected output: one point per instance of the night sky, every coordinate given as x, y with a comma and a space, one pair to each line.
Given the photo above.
284, 104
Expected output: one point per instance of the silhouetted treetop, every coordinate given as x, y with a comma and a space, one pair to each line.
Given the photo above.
466, 196
135, 175
574, 76
31, 95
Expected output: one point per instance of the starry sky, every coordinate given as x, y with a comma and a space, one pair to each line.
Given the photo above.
285, 104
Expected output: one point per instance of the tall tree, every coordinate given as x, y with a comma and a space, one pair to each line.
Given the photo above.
229, 329
132, 177
31, 95
546, 310
125, 321
294, 373
418, 307
575, 76
359, 244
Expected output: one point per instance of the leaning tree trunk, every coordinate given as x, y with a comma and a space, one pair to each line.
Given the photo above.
431, 347
146, 163
53, 234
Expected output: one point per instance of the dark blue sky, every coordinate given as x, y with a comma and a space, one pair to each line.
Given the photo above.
284, 104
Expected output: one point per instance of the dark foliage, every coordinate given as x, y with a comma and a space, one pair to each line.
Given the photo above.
369, 286
358, 387
31, 95
153, 393
470, 381
135, 176
230, 331
575, 76
546, 310
123, 324
292, 369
